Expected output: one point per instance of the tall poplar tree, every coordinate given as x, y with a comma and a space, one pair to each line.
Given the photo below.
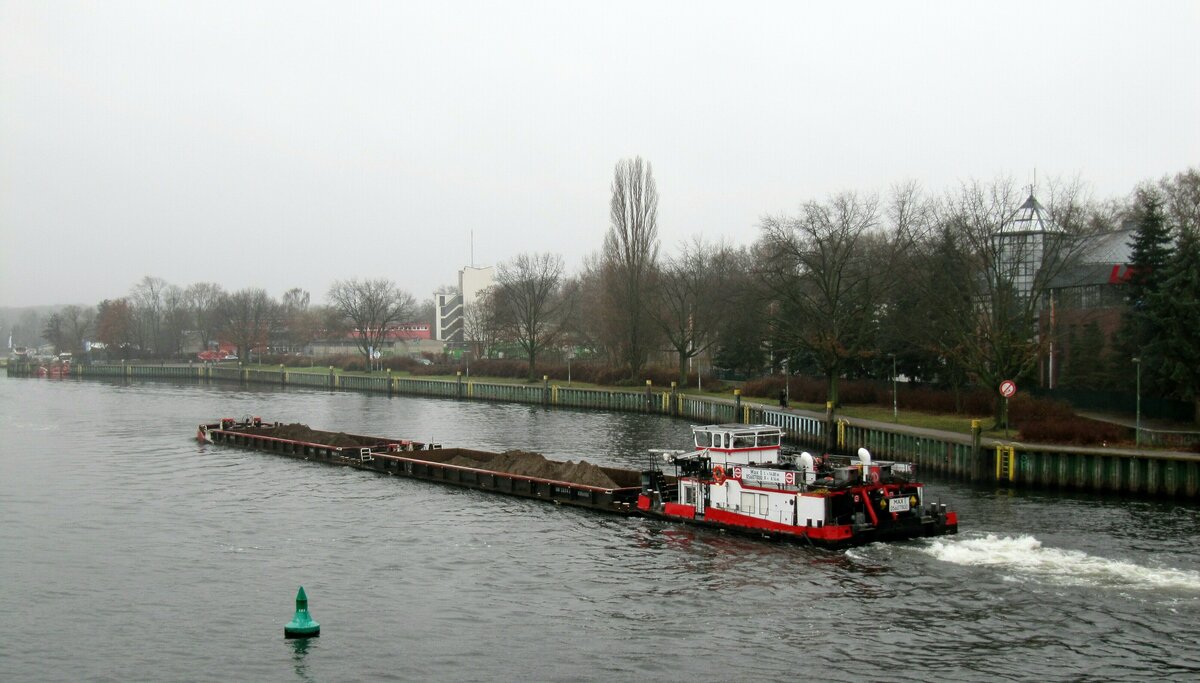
631, 258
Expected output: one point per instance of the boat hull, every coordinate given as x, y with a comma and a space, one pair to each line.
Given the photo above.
833, 536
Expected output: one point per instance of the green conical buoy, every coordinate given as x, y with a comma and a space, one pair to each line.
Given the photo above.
301, 625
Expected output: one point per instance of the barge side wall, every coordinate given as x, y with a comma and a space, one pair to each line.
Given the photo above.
427, 465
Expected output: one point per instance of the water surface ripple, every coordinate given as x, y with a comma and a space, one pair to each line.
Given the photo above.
130, 552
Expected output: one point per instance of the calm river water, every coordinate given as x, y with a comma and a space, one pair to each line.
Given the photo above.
128, 552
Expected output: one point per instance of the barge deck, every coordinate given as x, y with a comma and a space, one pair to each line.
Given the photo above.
565, 483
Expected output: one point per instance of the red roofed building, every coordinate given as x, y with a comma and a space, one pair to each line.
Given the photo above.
403, 339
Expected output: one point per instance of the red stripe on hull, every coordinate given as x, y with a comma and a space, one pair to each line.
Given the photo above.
733, 519
677, 510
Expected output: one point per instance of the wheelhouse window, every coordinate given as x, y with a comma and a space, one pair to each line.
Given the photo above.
748, 503
743, 441
768, 439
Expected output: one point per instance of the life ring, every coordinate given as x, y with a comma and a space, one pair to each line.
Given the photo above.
873, 477
718, 474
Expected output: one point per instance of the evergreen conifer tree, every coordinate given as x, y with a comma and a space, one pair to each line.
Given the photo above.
1174, 311
1151, 249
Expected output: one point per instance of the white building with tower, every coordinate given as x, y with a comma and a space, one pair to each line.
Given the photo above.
1024, 244
452, 306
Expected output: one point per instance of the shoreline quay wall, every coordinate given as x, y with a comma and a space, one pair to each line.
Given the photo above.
1138, 473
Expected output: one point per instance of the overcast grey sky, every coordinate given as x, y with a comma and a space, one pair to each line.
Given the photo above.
291, 144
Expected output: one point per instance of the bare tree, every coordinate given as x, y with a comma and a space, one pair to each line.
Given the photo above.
298, 323
53, 332
911, 215
146, 301
630, 255
743, 333
929, 311
482, 323
1182, 195
295, 299
204, 300
248, 316
691, 294
177, 319
426, 312
595, 331
333, 323
372, 306
77, 324
1008, 289
911, 221
530, 302
826, 270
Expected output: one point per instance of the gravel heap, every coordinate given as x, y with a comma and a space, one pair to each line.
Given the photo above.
300, 432
536, 465
523, 463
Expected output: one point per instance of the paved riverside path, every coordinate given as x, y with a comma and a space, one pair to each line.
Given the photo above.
987, 442
878, 425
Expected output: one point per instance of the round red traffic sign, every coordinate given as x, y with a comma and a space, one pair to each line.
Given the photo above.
1008, 388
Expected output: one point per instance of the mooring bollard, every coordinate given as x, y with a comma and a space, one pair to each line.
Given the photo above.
979, 470
830, 427
301, 625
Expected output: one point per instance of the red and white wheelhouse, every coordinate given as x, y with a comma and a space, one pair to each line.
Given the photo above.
739, 478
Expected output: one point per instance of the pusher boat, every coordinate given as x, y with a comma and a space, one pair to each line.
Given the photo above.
738, 478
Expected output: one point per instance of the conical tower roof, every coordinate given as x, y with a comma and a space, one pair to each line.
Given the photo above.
1032, 217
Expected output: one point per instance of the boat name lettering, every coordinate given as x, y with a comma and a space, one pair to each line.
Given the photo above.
784, 477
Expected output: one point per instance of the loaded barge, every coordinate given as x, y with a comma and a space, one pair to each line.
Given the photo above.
516, 473
738, 478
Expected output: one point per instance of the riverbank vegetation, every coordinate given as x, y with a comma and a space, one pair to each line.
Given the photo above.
1032, 419
911, 298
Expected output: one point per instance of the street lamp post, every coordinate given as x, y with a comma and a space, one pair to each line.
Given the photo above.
787, 383
1137, 429
895, 409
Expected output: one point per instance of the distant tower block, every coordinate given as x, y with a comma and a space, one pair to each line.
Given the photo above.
452, 306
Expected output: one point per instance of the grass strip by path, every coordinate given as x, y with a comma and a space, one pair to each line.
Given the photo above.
959, 424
